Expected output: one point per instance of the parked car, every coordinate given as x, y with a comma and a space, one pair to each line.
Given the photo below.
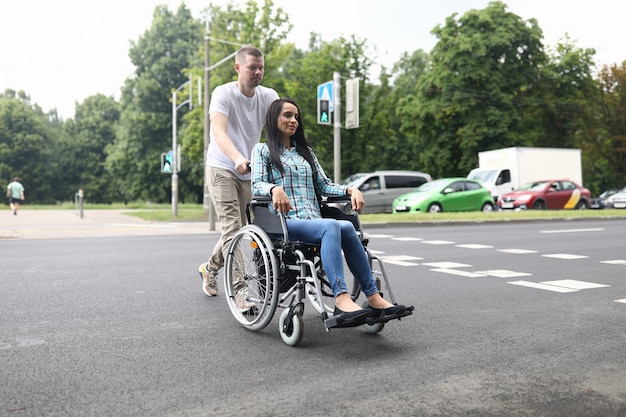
601, 201
547, 194
380, 188
617, 200
446, 194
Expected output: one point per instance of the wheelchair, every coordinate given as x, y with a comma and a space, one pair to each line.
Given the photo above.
279, 273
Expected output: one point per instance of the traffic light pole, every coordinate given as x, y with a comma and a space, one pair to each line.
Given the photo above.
337, 124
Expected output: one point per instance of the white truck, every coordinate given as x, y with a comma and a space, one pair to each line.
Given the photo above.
503, 170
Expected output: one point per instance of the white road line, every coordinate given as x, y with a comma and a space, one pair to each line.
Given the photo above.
564, 256
574, 284
503, 273
517, 251
623, 300
446, 265
572, 230
542, 286
378, 235
402, 258
458, 272
474, 246
406, 239
615, 262
438, 242
400, 263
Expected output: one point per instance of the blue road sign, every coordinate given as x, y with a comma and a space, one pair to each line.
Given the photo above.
325, 92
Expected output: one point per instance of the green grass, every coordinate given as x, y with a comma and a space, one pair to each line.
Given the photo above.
195, 212
479, 216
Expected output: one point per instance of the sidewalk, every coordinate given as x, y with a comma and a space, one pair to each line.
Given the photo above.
55, 224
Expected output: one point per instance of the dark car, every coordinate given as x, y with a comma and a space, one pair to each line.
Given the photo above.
547, 194
601, 201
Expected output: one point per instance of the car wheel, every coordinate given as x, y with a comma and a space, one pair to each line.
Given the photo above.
487, 207
434, 208
539, 205
582, 205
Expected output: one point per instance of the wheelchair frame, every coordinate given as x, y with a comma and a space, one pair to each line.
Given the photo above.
277, 272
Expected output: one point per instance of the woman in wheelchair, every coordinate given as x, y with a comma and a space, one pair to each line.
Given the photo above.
285, 168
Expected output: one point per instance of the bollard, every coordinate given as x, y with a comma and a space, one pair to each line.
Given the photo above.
81, 194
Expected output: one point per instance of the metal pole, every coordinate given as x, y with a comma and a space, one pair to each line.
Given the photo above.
337, 124
174, 156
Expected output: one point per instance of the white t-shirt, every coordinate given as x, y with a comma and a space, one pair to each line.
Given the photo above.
246, 117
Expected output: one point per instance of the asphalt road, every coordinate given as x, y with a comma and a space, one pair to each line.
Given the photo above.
511, 320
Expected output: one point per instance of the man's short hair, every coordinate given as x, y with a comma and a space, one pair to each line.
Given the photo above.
247, 50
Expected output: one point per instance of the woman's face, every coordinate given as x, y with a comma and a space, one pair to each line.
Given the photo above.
288, 120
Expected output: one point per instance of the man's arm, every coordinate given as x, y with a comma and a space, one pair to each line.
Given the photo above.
219, 124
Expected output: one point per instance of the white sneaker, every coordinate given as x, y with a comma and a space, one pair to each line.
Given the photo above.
243, 300
209, 279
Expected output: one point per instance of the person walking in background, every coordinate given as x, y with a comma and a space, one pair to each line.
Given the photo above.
15, 193
237, 114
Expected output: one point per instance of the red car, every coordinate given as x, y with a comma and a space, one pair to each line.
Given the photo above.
549, 194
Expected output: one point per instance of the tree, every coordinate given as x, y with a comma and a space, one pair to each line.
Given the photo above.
26, 143
82, 153
482, 65
604, 140
263, 26
160, 56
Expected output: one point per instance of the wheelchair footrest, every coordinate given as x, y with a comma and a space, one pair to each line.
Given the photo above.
395, 316
342, 321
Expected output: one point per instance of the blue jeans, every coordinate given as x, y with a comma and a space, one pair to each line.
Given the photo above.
332, 236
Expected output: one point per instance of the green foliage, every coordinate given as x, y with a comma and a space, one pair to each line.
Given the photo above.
483, 65
27, 140
82, 150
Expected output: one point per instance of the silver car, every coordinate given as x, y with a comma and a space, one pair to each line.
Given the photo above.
381, 188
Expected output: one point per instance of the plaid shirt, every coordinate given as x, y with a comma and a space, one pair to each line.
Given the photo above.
299, 181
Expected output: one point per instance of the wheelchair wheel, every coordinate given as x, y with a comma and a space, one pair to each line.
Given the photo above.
291, 333
251, 259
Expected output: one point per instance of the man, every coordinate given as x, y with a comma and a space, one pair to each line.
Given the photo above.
237, 113
15, 193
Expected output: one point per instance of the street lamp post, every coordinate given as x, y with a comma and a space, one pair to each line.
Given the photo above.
175, 150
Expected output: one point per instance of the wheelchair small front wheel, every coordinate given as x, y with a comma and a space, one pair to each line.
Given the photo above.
291, 332
372, 328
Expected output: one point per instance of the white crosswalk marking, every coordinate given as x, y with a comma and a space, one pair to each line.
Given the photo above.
615, 262
503, 273
474, 246
446, 265
574, 284
564, 256
517, 251
402, 260
458, 272
542, 286
438, 242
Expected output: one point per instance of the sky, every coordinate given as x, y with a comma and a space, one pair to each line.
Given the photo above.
61, 52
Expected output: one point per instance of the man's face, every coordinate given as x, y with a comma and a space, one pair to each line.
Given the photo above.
251, 71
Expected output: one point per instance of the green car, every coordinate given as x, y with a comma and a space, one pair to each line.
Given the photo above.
446, 194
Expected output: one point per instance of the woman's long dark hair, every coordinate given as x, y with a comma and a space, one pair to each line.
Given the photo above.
272, 135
